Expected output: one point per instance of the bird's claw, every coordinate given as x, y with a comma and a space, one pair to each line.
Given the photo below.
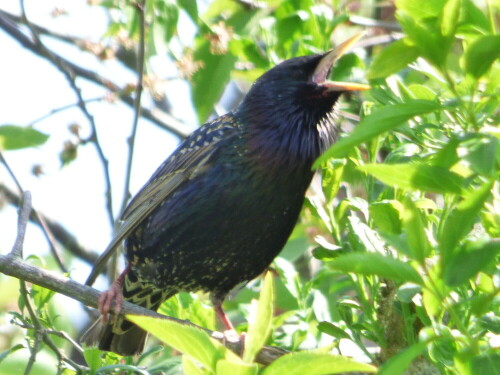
106, 299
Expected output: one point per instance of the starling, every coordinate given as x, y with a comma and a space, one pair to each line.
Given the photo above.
219, 210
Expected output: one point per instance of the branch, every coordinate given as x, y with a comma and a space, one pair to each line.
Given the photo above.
162, 119
60, 233
15, 267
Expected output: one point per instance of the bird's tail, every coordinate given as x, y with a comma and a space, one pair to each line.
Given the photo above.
120, 335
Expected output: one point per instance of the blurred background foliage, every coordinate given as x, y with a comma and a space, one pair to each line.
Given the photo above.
395, 258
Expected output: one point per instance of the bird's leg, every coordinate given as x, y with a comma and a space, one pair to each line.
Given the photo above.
222, 316
113, 294
230, 333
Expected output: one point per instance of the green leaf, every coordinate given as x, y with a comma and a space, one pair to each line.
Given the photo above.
393, 58
185, 338
450, 17
486, 364
231, 367
460, 220
481, 54
376, 264
13, 349
332, 330
260, 326
191, 8
426, 36
413, 225
314, 363
469, 261
209, 82
399, 363
422, 8
380, 121
416, 176
386, 215
13, 137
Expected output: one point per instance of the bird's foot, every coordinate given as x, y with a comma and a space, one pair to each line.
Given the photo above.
106, 300
113, 294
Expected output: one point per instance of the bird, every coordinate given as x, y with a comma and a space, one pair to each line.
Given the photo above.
221, 207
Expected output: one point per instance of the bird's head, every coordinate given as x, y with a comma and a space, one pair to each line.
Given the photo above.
293, 104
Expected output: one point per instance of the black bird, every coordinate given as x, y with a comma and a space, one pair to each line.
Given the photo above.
219, 210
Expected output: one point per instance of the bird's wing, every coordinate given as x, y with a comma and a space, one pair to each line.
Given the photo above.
191, 159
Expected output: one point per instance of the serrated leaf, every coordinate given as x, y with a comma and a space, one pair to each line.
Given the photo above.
260, 326
314, 363
481, 54
416, 176
380, 121
469, 261
376, 264
399, 363
459, 222
185, 338
13, 137
393, 58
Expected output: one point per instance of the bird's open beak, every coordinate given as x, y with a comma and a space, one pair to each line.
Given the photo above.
322, 71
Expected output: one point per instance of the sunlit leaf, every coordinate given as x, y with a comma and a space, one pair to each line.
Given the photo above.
13, 137
481, 54
393, 58
312, 363
376, 264
399, 363
468, 261
261, 324
459, 222
185, 338
416, 176
380, 121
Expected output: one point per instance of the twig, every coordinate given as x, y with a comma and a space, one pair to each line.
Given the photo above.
61, 234
162, 119
15, 267
70, 76
60, 109
45, 230
137, 105
23, 217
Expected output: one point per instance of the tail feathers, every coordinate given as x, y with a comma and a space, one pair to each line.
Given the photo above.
106, 337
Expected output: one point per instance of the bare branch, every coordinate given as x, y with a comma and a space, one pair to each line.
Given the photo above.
17, 268
157, 117
60, 233
23, 217
137, 105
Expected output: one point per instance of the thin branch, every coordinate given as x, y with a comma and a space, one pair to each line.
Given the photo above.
70, 76
137, 105
160, 118
23, 217
45, 229
17, 268
63, 108
59, 232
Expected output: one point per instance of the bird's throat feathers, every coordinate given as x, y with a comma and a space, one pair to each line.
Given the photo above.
287, 139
